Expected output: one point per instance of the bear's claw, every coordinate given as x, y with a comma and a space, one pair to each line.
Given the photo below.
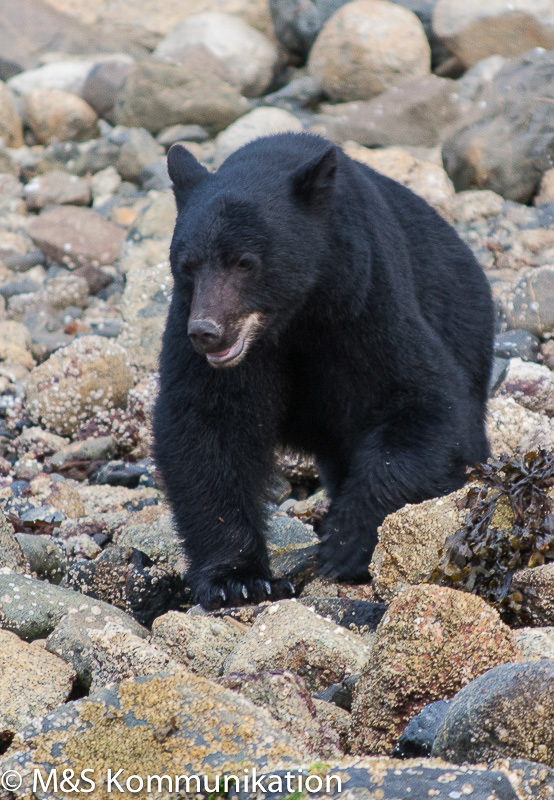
214, 594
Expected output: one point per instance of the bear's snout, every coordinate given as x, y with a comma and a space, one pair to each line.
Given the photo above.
205, 335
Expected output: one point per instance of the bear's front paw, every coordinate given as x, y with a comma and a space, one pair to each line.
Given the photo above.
217, 593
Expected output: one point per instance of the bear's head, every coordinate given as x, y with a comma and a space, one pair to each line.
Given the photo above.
244, 249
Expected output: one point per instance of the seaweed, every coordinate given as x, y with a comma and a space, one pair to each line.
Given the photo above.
509, 526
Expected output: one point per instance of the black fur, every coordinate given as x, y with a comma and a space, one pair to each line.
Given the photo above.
374, 354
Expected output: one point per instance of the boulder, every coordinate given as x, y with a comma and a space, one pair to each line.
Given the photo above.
368, 46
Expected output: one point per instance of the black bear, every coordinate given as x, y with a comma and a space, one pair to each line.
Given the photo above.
322, 306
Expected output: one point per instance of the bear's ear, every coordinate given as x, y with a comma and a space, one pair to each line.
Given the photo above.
185, 172
314, 181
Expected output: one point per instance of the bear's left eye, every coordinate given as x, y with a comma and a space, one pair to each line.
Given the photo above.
248, 261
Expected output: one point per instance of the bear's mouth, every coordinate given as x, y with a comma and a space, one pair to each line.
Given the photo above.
225, 356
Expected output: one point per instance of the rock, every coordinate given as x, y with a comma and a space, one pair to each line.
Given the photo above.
333, 718
45, 556
156, 20
10, 195
102, 84
474, 31
530, 306
425, 178
77, 237
536, 585
419, 734
78, 640
410, 541
11, 555
430, 643
144, 308
505, 713
11, 127
137, 150
300, 93
248, 58
57, 116
285, 695
156, 537
200, 643
57, 188
64, 289
297, 23
509, 117
183, 722
288, 636
418, 112
512, 427
359, 616
531, 385
259, 122
368, 46
536, 643
127, 579
284, 532
545, 195
89, 374
32, 608
32, 683
154, 96
66, 76
517, 344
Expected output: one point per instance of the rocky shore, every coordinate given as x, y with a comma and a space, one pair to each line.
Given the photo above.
436, 678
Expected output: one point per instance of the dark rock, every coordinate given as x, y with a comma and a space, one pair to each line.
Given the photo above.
120, 473
419, 734
514, 115
498, 373
285, 531
296, 23
351, 614
340, 693
518, 343
505, 713
302, 92
128, 579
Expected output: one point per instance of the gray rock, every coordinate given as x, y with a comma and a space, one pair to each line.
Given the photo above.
182, 133
157, 95
32, 683
536, 586
99, 448
259, 122
505, 713
74, 640
155, 176
137, 150
247, 58
536, 643
419, 112
297, 23
12, 556
102, 85
419, 734
518, 344
46, 557
286, 531
302, 92
530, 306
32, 608
514, 115
157, 539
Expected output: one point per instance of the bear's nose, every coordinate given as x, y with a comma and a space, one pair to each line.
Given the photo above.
204, 333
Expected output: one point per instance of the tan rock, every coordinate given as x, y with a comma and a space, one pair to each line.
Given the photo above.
366, 47
531, 385
430, 643
90, 374
32, 683
200, 643
57, 188
77, 237
536, 643
424, 178
57, 116
289, 636
410, 541
546, 189
474, 30
510, 426
536, 585
11, 127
